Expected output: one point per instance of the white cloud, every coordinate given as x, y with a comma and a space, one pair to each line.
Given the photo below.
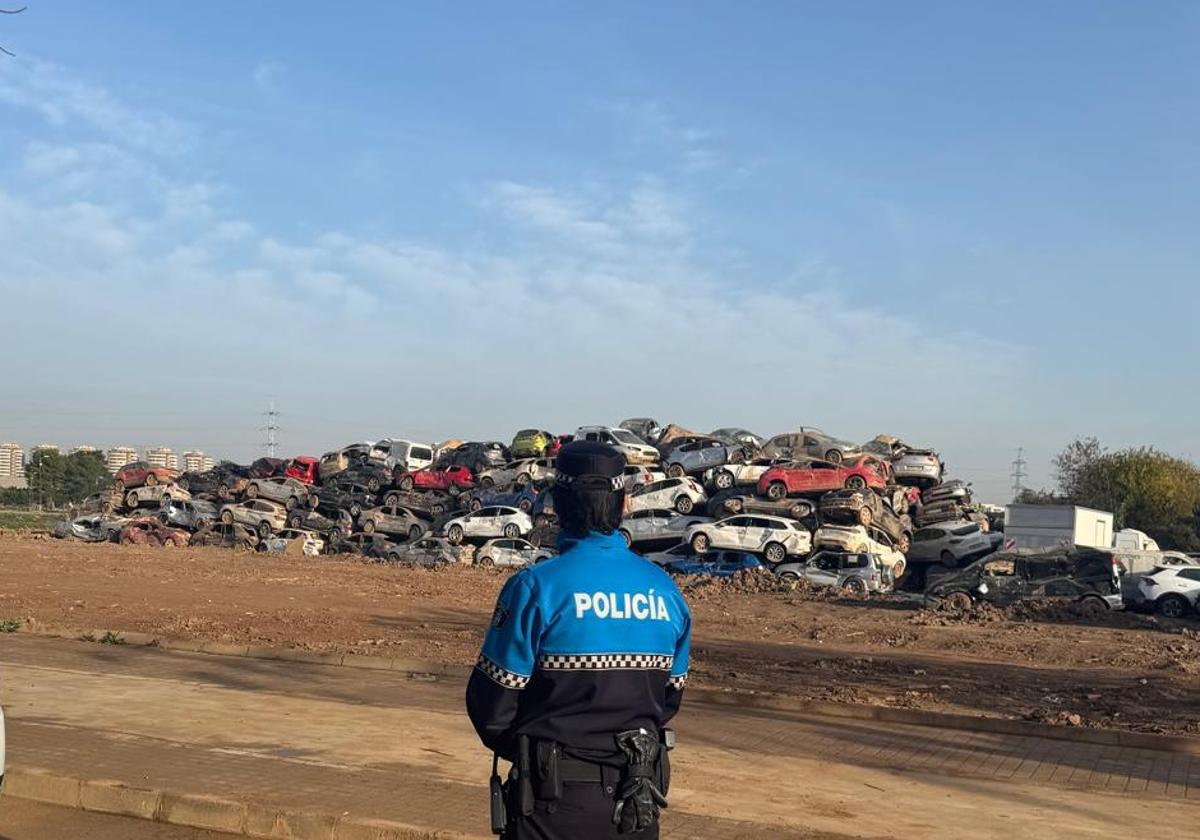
268, 76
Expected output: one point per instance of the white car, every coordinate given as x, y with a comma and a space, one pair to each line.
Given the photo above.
854, 539
774, 537
286, 491
311, 544
953, 543
488, 523
518, 472
737, 475
683, 494
264, 517
657, 525
635, 450
1172, 590
414, 456
635, 475
510, 552
155, 494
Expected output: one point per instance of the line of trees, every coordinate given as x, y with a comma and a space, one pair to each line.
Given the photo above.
1144, 488
55, 479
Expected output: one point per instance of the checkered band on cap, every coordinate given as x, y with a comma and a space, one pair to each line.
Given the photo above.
605, 662
501, 676
587, 481
677, 682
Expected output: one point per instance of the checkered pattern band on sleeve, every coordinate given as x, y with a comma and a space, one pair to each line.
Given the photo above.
501, 676
605, 662
677, 682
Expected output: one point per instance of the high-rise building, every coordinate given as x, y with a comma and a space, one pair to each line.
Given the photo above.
83, 447
162, 456
197, 461
12, 460
119, 456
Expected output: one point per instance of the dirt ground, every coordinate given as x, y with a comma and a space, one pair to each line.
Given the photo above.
1119, 670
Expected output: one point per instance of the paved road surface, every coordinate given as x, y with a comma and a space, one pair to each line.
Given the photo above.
22, 820
378, 744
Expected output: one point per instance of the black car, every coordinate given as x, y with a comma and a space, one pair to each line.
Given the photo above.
374, 546
373, 475
1089, 576
732, 502
335, 496
224, 481
313, 520
476, 456
267, 467
427, 504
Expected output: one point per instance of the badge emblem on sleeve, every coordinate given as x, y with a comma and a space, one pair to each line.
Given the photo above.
499, 616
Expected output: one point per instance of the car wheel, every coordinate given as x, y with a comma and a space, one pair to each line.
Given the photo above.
684, 504
485, 561
522, 480
487, 482
904, 543
1094, 605
856, 586
723, 480
475, 504
512, 530
369, 526
151, 479
292, 503
856, 482
296, 521
700, 543
406, 483
373, 484
131, 499
1173, 606
628, 537
789, 577
899, 569
355, 510
734, 504
775, 553
437, 509
959, 600
675, 471
864, 517
227, 517
414, 533
252, 491
264, 530
394, 557
223, 492
455, 534
777, 491
833, 456
391, 500
525, 505
949, 560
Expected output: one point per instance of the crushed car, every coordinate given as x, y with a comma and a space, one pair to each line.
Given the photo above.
1090, 577
774, 537
286, 491
488, 523
391, 520
700, 456
656, 525
264, 517
682, 494
142, 474
510, 552
822, 476
857, 573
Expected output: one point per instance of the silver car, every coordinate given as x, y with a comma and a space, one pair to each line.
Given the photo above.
391, 520
427, 551
286, 491
743, 474
859, 574
264, 517
510, 552
91, 528
155, 494
191, 514
812, 443
698, 456
657, 525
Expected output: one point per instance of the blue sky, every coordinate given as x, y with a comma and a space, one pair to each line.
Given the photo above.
971, 225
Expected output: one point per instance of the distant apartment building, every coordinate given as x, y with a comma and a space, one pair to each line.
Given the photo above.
83, 447
46, 447
162, 456
119, 456
197, 462
12, 465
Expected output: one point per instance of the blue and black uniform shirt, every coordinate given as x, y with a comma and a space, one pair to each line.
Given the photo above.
581, 647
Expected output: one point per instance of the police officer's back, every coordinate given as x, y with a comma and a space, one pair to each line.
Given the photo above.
582, 667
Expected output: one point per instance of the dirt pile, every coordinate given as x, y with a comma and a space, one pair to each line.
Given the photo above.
745, 582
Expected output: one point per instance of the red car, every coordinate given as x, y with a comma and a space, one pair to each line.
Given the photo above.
450, 479
149, 532
303, 468
823, 476
139, 474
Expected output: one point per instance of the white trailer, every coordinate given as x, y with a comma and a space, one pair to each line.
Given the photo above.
1042, 527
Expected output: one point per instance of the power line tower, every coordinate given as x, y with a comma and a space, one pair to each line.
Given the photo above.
271, 428
1018, 473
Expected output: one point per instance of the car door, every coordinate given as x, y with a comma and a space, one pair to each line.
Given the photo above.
733, 532
1004, 579
479, 522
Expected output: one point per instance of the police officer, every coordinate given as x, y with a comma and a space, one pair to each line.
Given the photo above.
582, 667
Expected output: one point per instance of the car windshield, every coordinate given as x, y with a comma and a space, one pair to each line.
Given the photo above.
625, 436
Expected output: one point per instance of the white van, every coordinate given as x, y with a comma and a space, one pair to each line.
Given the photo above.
635, 450
1131, 539
415, 456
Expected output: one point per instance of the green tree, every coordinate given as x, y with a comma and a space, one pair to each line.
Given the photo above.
45, 474
84, 473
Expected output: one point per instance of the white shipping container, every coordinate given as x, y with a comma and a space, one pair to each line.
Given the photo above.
1042, 527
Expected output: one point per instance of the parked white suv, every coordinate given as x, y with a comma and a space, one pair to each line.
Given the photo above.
1172, 590
774, 537
488, 523
635, 450
682, 494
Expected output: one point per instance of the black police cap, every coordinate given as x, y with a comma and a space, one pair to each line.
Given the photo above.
585, 462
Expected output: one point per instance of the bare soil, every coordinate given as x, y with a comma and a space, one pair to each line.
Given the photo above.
1041, 662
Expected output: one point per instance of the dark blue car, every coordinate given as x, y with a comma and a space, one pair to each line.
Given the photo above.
732, 563
523, 499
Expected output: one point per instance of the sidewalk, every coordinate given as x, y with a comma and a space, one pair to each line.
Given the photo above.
382, 745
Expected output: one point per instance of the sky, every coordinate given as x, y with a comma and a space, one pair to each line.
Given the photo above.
973, 225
